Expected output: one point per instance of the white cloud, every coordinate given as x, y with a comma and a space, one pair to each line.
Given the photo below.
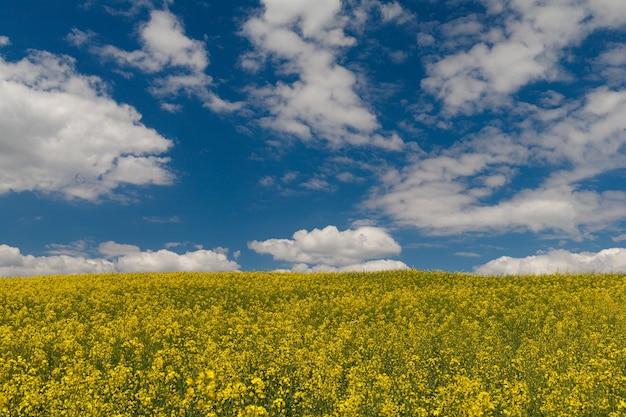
369, 266
448, 207
165, 47
425, 39
172, 108
13, 263
165, 260
465, 28
615, 56
467, 254
330, 247
60, 133
398, 57
525, 48
303, 38
607, 260
394, 12
4, 41
391, 11
75, 249
611, 65
159, 219
127, 8
78, 37
111, 249
316, 184
619, 238
468, 187
119, 258
591, 137
610, 13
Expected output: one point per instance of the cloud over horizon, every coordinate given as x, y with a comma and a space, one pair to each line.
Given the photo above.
467, 129
558, 261
117, 258
330, 249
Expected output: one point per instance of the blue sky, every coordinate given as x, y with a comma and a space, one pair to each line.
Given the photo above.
313, 135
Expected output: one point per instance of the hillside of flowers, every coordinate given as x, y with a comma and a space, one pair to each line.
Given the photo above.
396, 343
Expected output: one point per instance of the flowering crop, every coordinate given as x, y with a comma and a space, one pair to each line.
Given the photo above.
401, 343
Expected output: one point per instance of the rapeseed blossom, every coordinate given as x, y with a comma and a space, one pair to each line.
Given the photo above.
395, 343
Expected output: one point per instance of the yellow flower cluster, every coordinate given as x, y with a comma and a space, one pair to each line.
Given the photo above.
399, 343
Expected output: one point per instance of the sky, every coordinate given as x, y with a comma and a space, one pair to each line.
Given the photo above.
485, 136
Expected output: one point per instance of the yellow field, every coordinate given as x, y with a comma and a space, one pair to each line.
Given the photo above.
254, 344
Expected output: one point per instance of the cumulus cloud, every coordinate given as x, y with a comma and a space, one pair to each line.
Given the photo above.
369, 266
117, 258
165, 260
165, 47
4, 41
331, 249
524, 44
14, 263
303, 39
61, 133
607, 260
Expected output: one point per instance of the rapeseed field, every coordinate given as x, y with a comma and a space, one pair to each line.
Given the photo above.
401, 343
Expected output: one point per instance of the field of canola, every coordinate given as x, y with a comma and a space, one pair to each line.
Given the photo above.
403, 343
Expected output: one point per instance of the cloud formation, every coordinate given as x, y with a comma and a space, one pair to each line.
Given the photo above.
164, 45
522, 43
467, 186
61, 133
329, 249
13, 263
369, 266
117, 258
303, 39
177, 62
605, 261
111, 249
165, 260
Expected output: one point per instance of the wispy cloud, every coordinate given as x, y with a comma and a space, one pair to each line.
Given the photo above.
165, 48
111, 249
619, 238
162, 219
80, 248
468, 254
